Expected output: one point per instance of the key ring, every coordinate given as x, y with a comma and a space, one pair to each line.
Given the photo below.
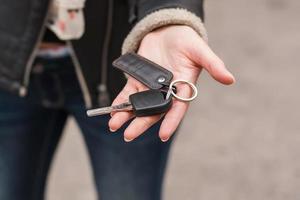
192, 86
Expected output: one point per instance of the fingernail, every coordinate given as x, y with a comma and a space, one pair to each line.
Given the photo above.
112, 130
164, 140
127, 140
234, 80
232, 77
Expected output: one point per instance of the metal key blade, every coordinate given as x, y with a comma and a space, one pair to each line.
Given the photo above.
106, 110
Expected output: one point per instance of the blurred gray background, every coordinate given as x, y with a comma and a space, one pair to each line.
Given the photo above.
247, 143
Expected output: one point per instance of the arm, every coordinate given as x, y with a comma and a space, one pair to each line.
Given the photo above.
181, 49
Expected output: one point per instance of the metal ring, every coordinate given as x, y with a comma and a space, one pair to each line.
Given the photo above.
194, 88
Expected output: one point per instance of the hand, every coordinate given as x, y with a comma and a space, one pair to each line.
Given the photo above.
182, 51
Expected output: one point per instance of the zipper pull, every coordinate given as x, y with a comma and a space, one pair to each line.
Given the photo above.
103, 96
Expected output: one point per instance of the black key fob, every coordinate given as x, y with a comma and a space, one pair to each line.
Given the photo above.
147, 72
150, 102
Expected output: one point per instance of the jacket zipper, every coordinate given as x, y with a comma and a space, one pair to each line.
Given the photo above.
23, 89
103, 96
103, 82
81, 79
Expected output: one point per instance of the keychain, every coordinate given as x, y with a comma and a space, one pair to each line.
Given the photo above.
157, 100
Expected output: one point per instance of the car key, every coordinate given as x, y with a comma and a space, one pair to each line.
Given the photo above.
150, 102
146, 103
107, 110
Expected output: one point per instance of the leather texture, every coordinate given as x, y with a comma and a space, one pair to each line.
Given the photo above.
147, 72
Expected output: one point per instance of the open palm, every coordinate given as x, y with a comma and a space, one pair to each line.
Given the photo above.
183, 52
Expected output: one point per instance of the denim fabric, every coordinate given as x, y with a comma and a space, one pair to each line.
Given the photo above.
30, 129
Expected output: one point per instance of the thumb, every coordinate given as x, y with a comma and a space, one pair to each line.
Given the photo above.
202, 55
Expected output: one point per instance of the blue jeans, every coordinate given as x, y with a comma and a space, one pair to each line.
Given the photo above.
30, 129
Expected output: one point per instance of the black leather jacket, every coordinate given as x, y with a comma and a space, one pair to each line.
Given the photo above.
107, 24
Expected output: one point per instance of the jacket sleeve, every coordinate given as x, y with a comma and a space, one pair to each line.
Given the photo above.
148, 15
140, 8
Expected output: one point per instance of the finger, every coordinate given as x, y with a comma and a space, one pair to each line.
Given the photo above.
172, 120
123, 96
131, 87
206, 58
120, 118
175, 115
138, 126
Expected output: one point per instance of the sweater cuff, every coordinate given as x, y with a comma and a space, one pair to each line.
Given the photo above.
158, 19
